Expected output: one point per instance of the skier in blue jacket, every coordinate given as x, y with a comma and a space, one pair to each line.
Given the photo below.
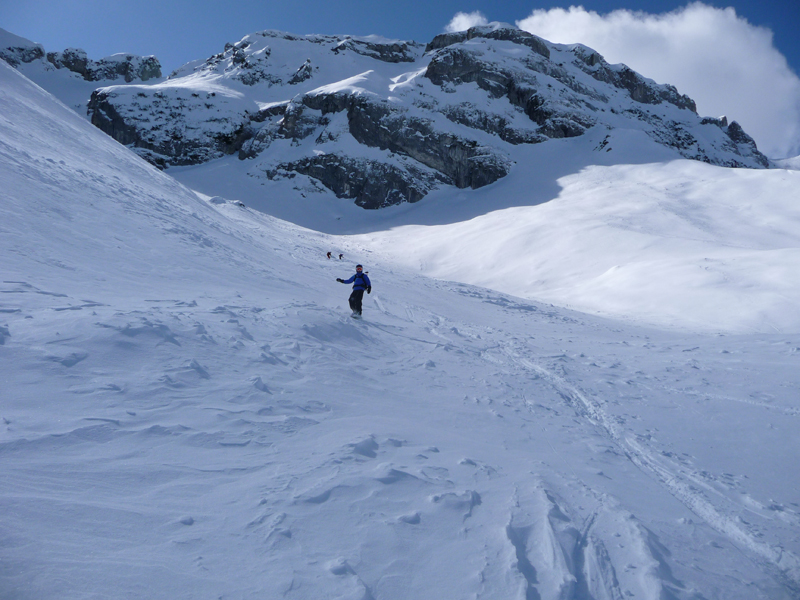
360, 283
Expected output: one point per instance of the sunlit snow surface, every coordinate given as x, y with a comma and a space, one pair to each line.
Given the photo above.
187, 410
679, 243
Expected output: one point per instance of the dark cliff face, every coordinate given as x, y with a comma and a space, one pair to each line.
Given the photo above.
427, 156
462, 162
166, 144
383, 121
372, 184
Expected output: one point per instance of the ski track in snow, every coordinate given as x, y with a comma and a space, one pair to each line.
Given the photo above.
551, 548
681, 481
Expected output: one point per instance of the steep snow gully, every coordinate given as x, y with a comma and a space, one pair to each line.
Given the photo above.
187, 411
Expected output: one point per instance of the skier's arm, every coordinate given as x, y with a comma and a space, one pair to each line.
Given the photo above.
369, 284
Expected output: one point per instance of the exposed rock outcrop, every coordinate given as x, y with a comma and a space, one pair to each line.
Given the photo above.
456, 66
507, 34
126, 66
743, 143
377, 121
168, 120
18, 52
386, 51
464, 162
457, 161
641, 89
371, 183
303, 73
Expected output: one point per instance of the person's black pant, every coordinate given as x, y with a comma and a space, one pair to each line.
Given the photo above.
355, 301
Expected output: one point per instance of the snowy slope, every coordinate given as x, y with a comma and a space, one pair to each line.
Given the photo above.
630, 233
747, 260
789, 163
675, 243
186, 411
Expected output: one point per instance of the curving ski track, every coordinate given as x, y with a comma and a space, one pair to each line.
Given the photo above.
783, 564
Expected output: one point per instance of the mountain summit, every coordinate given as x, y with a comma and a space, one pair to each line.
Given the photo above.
386, 121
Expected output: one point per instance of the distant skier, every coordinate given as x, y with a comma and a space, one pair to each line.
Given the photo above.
341, 256
329, 255
360, 283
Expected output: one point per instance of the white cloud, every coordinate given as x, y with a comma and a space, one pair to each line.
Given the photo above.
463, 21
728, 66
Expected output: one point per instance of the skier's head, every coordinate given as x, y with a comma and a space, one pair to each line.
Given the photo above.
359, 268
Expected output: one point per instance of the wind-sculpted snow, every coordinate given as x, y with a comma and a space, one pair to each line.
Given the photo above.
188, 411
462, 107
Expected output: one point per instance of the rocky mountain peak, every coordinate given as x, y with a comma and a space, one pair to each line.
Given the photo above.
128, 67
386, 121
249, 61
20, 52
491, 32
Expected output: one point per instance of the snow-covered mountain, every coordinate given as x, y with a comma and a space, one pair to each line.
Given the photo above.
187, 411
385, 121
71, 75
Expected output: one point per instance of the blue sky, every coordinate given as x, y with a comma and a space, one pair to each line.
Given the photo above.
730, 57
178, 31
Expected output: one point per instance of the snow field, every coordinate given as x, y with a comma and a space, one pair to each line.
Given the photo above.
671, 244
406, 455
187, 411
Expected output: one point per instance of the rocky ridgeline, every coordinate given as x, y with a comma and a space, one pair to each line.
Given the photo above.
128, 67
384, 122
